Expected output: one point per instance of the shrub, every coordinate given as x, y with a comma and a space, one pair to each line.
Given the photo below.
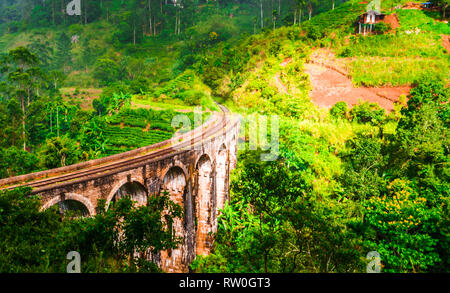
382, 27
368, 113
405, 228
139, 85
339, 110
314, 33
191, 97
106, 71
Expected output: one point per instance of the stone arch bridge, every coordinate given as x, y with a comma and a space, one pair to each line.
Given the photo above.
193, 167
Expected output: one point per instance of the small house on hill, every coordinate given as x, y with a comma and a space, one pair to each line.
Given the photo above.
367, 21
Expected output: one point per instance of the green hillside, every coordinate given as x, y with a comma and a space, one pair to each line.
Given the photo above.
346, 179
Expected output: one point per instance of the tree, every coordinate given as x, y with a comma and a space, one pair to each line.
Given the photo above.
273, 225
364, 168
117, 239
299, 4
63, 52
11, 117
107, 71
339, 110
443, 4
92, 140
20, 68
56, 79
420, 147
310, 5
404, 228
58, 152
274, 18
43, 50
368, 113
14, 162
262, 13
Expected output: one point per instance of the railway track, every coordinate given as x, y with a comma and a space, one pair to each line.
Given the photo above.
111, 165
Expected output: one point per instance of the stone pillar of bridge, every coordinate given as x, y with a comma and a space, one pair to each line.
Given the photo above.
174, 260
222, 171
204, 206
233, 152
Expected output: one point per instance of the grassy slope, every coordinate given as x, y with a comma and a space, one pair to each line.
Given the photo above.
391, 59
413, 52
253, 88
258, 86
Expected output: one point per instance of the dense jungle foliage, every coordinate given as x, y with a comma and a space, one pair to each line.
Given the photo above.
347, 180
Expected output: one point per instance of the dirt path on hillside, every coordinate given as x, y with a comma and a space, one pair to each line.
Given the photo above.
331, 84
330, 87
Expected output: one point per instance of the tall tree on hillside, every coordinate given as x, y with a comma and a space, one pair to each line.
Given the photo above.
19, 67
274, 18
56, 78
178, 6
43, 50
299, 5
444, 4
310, 6
150, 17
63, 51
85, 11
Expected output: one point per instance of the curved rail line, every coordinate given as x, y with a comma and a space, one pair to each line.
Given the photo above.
121, 162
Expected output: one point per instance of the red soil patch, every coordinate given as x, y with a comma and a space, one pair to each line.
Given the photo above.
412, 5
330, 87
286, 62
418, 6
446, 42
392, 19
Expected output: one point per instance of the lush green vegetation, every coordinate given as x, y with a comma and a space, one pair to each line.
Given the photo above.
341, 188
347, 180
43, 130
401, 57
36, 241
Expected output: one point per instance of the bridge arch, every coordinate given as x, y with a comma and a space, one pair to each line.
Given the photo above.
201, 156
71, 197
204, 204
133, 184
174, 164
